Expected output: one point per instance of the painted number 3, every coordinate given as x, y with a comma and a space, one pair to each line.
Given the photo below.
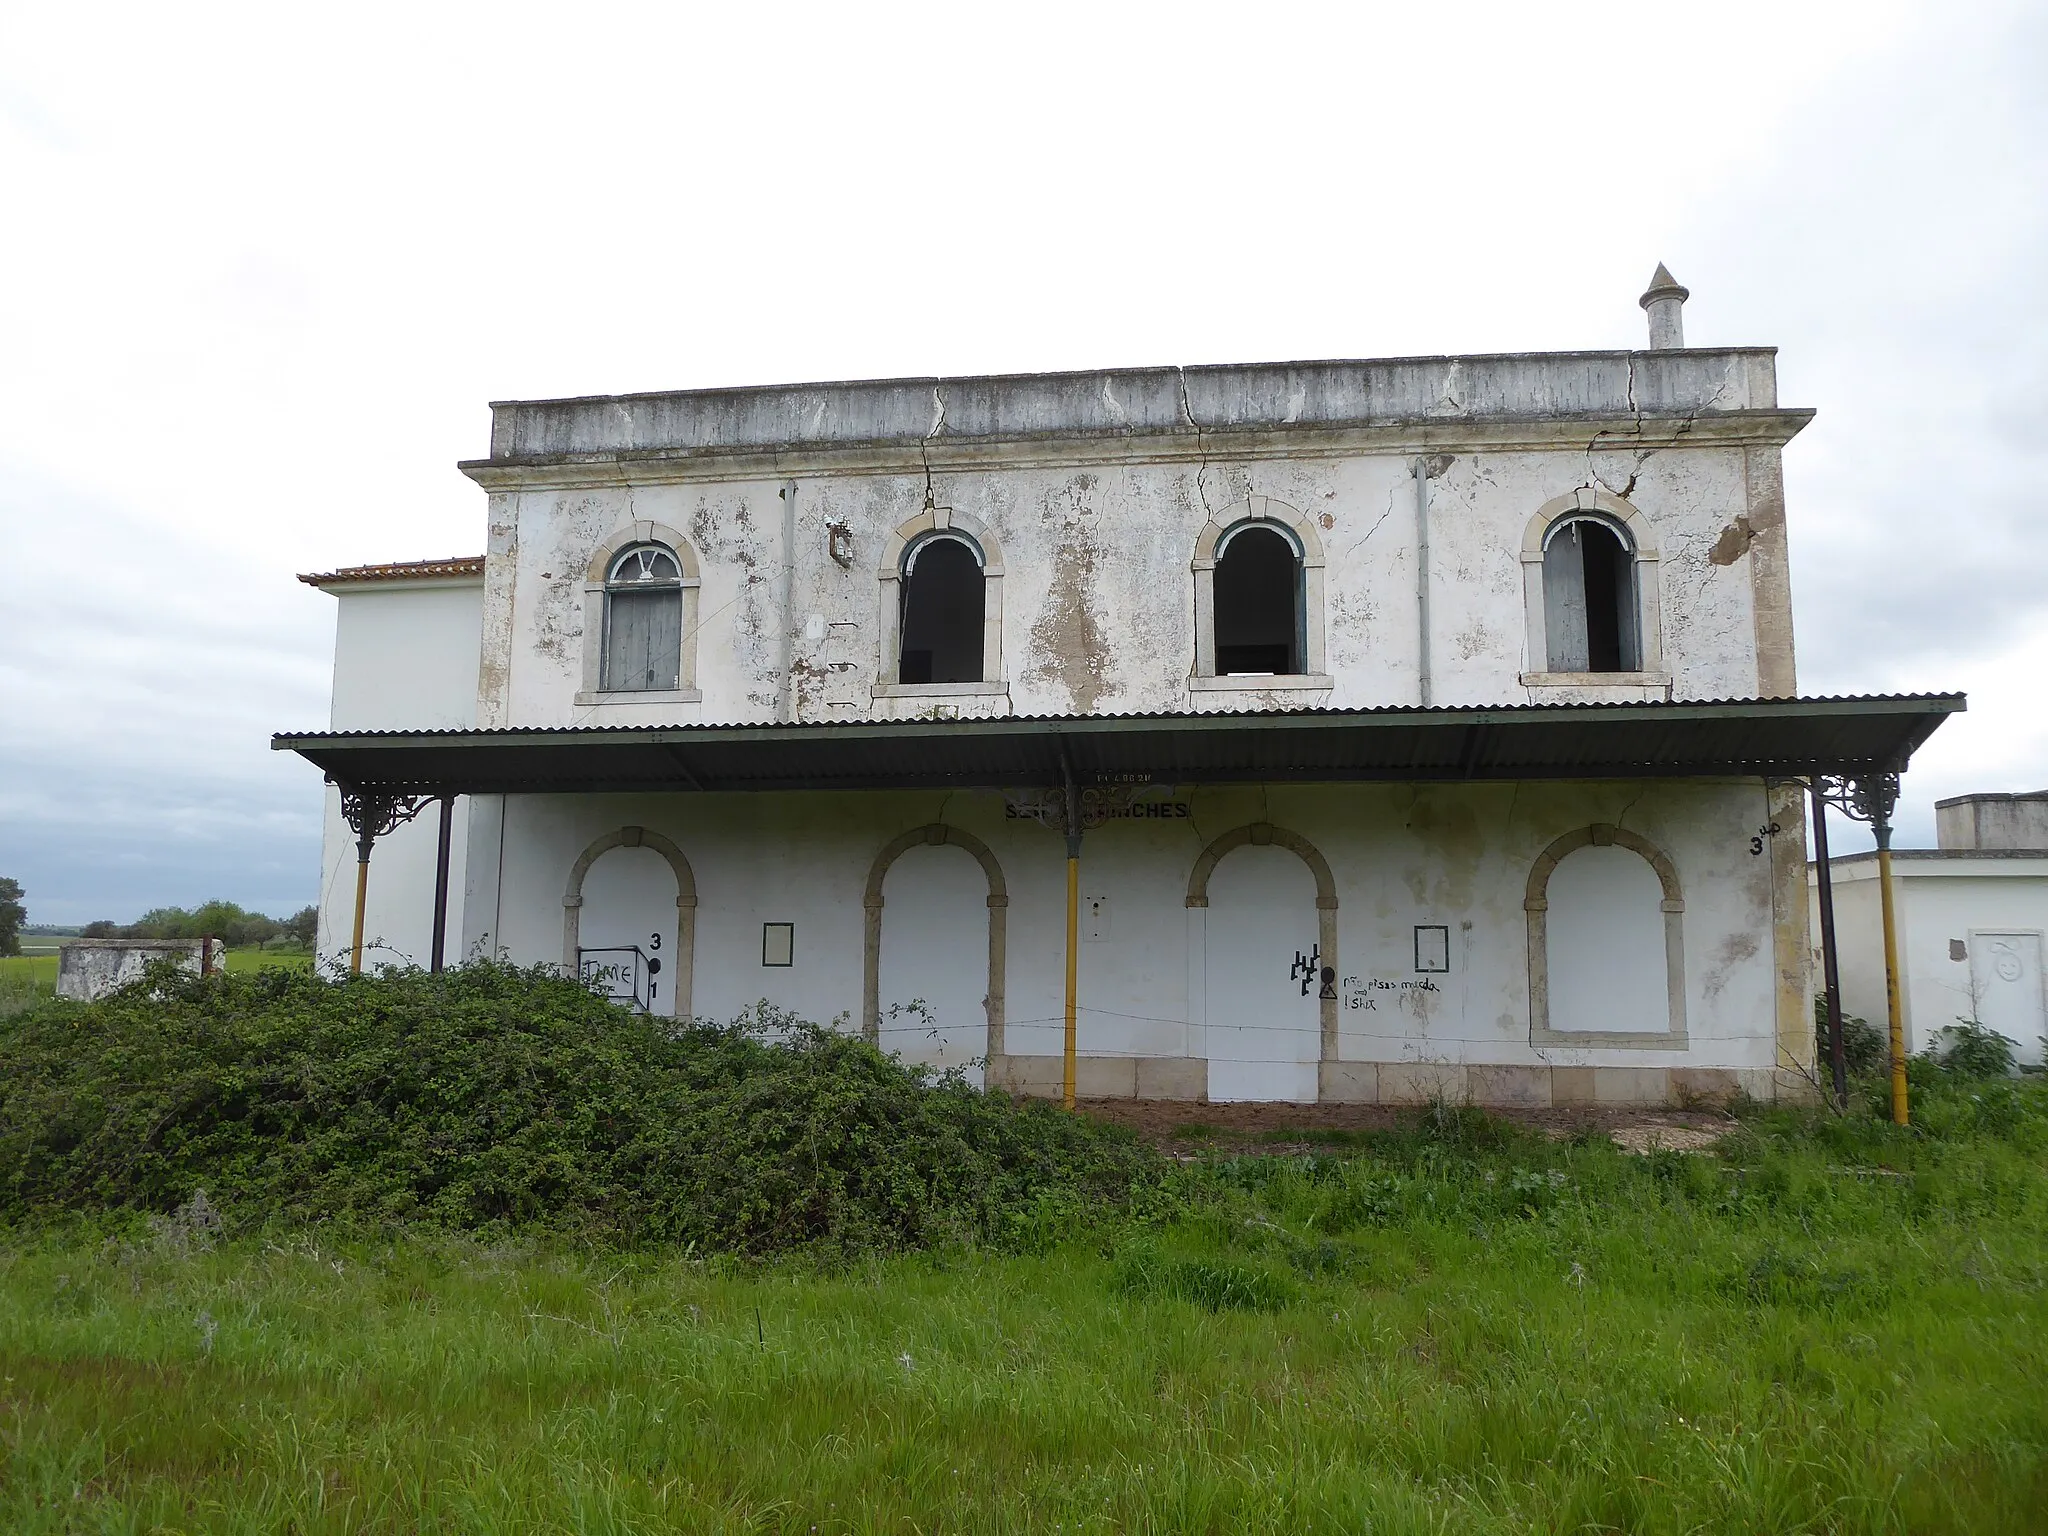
1756, 844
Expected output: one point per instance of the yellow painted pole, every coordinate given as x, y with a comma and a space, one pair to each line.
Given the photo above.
1891, 978
355, 953
1073, 966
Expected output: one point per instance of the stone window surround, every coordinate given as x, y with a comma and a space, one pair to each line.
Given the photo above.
1536, 904
594, 583
1299, 530
1649, 600
940, 520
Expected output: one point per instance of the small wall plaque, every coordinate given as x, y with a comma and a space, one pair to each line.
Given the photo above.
778, 943
1432, 947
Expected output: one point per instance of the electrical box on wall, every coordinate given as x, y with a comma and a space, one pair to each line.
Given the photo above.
1432, 948
1095, 919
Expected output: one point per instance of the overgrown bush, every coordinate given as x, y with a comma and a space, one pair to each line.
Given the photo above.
1969, 1049
489, 1097
1866, 1049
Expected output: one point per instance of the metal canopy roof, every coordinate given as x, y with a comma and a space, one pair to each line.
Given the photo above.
1733, 737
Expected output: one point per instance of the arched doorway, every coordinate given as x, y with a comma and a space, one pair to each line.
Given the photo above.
1269, 938
629, 917
936, 905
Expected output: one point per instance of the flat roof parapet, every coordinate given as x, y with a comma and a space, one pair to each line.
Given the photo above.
1665, 388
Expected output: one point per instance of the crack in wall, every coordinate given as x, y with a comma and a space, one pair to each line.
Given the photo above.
1634, 434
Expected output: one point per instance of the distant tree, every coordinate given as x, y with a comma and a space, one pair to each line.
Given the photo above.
102, 928
159, 923
226, 920
303, 927
12, 915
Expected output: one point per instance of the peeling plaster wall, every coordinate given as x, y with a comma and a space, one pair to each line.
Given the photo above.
1096, 488
1093, 491
1098, 596
1400, 855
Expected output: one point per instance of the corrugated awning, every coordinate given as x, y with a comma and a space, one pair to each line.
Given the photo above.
1722, 738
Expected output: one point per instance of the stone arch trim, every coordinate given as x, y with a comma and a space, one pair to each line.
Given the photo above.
890, 575
1649, 596
641, 531
1641, 533
937, 835
686, 904
1263, 834
1259, 509
1301, 528
1536, 908
939, 520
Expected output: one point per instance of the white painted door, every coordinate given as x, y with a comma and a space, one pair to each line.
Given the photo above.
629, 903
934, 968
2005, 971
1264, 1025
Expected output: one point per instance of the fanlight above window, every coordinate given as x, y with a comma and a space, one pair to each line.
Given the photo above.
1590, 600
643, 621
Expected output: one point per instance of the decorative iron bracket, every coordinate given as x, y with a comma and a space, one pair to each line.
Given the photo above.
375, 813
1870, 797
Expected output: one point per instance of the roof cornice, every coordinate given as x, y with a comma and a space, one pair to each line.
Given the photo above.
1258, 410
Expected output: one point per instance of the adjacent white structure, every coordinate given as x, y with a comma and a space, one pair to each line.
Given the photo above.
91, 968
1432, 722
1971, 915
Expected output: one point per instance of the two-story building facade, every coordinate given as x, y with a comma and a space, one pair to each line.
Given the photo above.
1414, 727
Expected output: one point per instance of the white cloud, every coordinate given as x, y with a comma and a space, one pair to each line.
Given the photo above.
266, 267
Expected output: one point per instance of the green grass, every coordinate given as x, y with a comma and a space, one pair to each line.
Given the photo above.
35, 971
1832, 1326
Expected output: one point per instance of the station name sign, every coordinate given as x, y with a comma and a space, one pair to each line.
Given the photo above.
1145, 810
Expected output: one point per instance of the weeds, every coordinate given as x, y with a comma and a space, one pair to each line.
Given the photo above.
488, 1098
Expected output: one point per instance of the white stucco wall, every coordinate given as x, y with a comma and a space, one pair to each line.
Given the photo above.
1942, 900
1098, 599
405, 658
1164, 979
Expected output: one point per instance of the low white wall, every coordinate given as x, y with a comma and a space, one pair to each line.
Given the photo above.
91, 968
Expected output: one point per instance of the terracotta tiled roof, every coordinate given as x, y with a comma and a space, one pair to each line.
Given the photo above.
400, 570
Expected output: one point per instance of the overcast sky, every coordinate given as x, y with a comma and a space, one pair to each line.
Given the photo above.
263, 268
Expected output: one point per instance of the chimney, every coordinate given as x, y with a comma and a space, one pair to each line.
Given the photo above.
1666, 303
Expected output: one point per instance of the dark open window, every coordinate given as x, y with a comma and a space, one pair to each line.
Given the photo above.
1258, 604
643, 622
1589, 599
943, 609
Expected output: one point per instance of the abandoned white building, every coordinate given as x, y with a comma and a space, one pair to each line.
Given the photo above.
1353, 731
1971, 916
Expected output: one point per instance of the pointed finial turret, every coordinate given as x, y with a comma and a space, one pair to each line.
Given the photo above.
1665, 302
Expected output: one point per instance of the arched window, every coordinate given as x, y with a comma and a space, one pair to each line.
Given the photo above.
943, 611
643, 621
1590, 602
1258, 578
1606, 942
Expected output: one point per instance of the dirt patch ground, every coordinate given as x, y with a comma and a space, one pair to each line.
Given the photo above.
1267, 1127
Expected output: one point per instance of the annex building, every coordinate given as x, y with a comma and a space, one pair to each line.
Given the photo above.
1413, 727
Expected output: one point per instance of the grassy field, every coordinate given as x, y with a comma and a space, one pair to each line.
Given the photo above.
33, 973
1828, 1326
